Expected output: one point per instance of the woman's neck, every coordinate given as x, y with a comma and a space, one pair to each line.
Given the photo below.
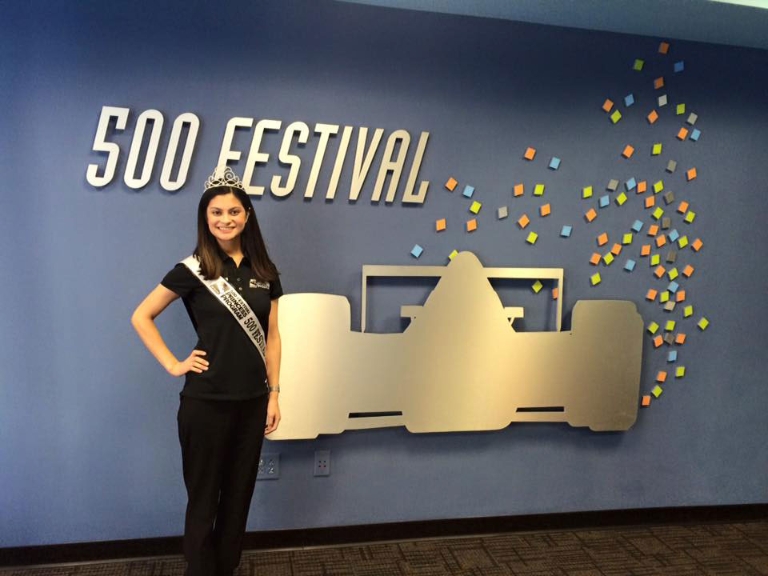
233, 249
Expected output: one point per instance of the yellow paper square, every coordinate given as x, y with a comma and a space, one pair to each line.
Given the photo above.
595, 279
664, 297
655, 259
616, 116
475, 208
680, 109
673, 274
658, 187
532, 237
453, 254
658, 213
537, 286
703, 323
690, 216
683, 241
679, 371
621, 198
656, 149
688, 311
538, 190
653, 327
669, 326
627, 239
608, 259
657, 390
586, 192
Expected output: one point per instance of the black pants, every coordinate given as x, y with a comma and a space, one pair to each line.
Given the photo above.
220, 448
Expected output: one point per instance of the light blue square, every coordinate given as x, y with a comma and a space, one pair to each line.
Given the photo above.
566, 231
416, 251
637, 226
673, 286
629, 99
674, 235
468, 191
695, 134
554, 163
680, 66
604, 201
672, 356
630, 265
630, 184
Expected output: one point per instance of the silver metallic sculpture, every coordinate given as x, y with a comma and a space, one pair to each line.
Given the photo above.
459, 365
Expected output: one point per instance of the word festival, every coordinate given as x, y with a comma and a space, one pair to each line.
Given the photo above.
325, 169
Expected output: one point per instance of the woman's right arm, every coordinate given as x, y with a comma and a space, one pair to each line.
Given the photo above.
143, 321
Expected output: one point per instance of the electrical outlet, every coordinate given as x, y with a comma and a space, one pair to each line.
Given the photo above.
269, 466
322, 463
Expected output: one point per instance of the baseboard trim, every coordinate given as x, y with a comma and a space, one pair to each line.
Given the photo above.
345, 535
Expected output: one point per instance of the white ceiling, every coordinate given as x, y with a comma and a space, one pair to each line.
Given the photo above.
734, 22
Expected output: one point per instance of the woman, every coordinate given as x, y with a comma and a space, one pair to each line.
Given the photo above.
230, 288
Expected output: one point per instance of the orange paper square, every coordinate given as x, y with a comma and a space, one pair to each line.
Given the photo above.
682, 133
659, 271
519, 190
661, 376
658, 83
645, 250
688, 271
602, 240
651, 294
653, 229
628, 151
440, 225
642, 187
555, 293
545, 210
691, 174
652, 117
646, 400
663, 47
658, 341
660, 241
680, 296
683, 208
680, 339
530, 154
590, 215
607, 105
616, 250
595, 259
523, 221
650, 201
451, 184
697, 244
472, 225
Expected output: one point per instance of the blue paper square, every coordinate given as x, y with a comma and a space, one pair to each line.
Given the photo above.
630, 184
566, 231
468, 191
680, 66
554, 163
672, 356
604, 201
416, 251
629, 99
630, 265
674, 235
637, 226
673, 286
695, 133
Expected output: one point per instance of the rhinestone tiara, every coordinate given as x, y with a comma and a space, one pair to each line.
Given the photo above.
223, 177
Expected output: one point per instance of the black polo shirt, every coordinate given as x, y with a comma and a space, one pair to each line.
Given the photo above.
236, 371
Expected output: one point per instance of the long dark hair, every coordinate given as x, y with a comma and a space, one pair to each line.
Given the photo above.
251, 241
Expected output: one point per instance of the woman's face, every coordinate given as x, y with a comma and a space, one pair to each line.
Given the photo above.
226, 217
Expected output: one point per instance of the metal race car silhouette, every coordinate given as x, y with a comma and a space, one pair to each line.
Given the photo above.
459, 365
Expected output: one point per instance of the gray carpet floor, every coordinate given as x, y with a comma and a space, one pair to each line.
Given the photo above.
738, 549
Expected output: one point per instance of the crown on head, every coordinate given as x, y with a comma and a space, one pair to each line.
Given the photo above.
223, 176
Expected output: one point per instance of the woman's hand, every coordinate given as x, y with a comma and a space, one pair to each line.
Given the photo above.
273, 414
194, 363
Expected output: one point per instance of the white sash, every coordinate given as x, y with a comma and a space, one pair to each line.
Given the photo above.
228, 296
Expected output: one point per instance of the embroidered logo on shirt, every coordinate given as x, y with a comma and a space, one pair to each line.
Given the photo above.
253, 283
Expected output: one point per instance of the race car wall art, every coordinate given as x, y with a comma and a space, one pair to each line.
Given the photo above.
459, 365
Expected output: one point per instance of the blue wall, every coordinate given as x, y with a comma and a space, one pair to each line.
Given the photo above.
88, 447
